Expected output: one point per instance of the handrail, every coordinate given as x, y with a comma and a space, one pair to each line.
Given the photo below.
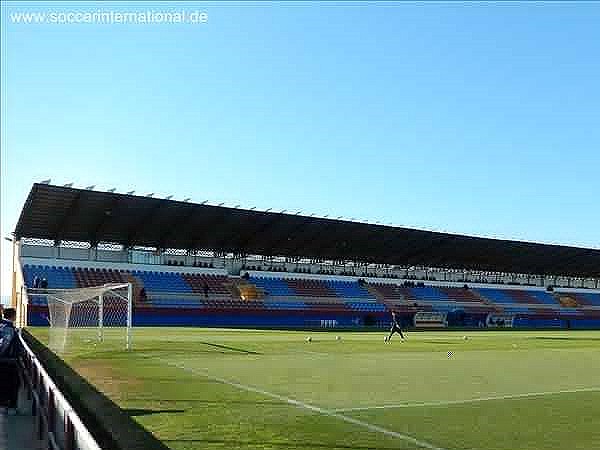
319, 299
283, 298
157, 295
52, 409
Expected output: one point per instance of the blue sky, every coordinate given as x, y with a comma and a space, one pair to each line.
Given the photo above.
472, 118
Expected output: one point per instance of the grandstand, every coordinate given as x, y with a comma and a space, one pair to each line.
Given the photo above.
241, 290
203, 265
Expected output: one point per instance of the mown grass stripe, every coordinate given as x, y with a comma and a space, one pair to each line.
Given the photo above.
309, 407
469, 400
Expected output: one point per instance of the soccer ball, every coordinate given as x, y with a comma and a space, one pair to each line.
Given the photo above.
466, 338
338, 338
308, 339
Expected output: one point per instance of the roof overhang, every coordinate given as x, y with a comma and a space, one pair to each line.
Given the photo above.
69, 214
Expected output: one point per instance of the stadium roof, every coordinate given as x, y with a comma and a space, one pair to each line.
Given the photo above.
65, 213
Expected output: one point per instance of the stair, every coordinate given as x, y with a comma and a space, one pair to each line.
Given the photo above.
137, 286
485, 301
567, 300
389, 303
18, 431
244, 290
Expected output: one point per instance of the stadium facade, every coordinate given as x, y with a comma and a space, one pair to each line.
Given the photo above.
196, 264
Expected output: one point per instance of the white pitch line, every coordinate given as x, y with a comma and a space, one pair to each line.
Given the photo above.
309, 407
308, 352
469, 400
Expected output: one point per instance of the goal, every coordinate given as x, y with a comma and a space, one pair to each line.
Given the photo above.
88, 317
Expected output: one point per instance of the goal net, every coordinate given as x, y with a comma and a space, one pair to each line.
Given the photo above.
88, 317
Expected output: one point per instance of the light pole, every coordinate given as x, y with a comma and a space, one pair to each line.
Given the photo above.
13, 300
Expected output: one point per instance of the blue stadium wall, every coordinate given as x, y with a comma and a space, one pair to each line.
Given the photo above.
216, 317
559, 323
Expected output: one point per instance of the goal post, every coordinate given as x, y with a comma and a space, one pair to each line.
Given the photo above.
90, 316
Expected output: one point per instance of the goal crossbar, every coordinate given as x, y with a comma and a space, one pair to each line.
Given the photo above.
61, 303
79, 294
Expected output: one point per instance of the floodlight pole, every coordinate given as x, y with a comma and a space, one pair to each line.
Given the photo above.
101, 318
129, 314
13, 299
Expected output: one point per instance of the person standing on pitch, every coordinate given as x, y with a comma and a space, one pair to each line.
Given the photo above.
395, 328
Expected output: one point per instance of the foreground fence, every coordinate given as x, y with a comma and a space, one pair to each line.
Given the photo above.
57, 424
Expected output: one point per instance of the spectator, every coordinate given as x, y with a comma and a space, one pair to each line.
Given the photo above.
205, 289
9, 387
8, 333
44, 283
36, 282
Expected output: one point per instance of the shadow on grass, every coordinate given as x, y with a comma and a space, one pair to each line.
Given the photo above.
148, 412
236, 443
213, 348
186, 351
233, 349
112, 427
205, 402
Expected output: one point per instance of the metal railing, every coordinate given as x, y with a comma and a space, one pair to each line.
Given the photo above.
315, 299
56, 421
157, 295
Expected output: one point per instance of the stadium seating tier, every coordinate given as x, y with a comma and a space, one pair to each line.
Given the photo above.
166, 291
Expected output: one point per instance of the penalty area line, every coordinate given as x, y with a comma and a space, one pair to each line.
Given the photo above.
307, 406
469, 400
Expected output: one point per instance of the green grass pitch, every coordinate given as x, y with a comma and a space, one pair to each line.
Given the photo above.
224, 389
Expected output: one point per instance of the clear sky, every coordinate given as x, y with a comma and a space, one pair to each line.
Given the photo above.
472, 118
